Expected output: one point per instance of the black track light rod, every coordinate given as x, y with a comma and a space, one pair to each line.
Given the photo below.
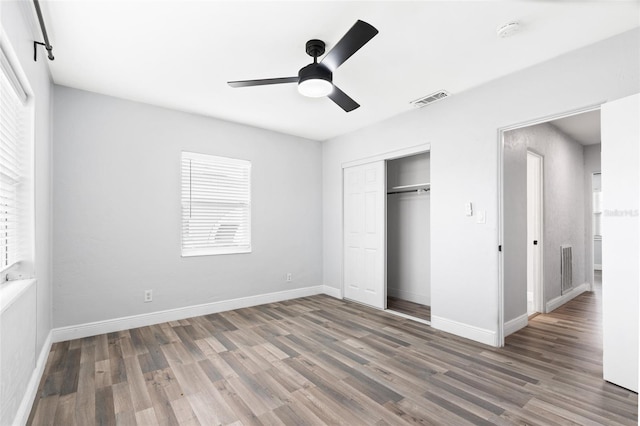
46, 43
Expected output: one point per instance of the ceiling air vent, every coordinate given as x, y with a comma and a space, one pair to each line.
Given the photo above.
429, 99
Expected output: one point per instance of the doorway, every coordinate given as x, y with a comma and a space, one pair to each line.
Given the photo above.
535, 173
386, 232
546, 214
408, 236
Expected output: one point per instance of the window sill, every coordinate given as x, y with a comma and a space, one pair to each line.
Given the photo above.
10, 291
208, 252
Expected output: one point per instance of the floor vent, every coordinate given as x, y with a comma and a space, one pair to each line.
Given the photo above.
429, 99
566, 271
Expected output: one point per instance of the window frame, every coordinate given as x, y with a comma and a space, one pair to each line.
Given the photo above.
24, 257
215, 250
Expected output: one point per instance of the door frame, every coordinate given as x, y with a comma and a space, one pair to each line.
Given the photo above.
592, 234
385, 156
538, 287
500, 187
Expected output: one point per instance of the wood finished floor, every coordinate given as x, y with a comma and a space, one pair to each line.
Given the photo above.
319, 360
410, 308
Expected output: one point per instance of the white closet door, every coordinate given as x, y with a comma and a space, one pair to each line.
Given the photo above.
364, 229
620, 242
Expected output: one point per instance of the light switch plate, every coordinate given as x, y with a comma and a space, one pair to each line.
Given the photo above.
482, 216
468, 209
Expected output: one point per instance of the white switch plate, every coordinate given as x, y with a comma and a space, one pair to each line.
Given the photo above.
482, 216
468, 209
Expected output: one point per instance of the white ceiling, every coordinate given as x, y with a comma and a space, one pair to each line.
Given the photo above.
584, 128
180, 54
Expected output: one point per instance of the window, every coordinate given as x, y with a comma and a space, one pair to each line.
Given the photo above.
15, 152
216, 205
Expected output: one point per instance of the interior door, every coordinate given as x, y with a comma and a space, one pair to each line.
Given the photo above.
364, 234
534, 232
621, 242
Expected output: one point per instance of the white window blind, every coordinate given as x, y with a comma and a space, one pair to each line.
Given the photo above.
13, 142
216, 205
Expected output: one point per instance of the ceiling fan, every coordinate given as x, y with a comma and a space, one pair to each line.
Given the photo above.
315, 80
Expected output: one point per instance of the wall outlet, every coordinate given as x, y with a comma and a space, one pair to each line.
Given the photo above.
289, 277
148, 296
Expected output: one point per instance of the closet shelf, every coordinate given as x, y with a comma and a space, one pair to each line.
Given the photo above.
409, 188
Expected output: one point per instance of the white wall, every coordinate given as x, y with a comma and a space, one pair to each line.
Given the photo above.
32, 311
563, 215
593, 249
117, 210
463, 134
621, 240
408, 235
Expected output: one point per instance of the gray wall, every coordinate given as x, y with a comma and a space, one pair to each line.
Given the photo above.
34, 306
462, 131
563, 217
592, 160
117, 210
408, 231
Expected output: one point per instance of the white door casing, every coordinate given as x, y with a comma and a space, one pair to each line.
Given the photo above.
364, 234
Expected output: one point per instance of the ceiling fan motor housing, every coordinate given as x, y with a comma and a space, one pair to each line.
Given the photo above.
315, 72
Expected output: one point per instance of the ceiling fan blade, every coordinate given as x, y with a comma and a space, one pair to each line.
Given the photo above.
350, 43
248, 83
342, 100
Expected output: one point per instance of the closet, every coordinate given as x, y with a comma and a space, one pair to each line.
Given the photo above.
408, 236
386, 233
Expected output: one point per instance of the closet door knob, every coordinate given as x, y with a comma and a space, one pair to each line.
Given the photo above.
535, 242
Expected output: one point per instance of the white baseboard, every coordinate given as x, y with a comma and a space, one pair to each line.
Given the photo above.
561, 300
467, 331
332, 291
124, 323
407, 295
32, 387
597, 267
516, 324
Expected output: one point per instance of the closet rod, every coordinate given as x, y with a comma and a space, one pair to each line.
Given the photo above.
46, 43
411, 190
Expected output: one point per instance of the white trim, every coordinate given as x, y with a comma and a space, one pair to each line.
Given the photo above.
551, 117
11, 291
516, 324
561, 300
62, 334
332, 291
500, 242
22, 415
425, 147
411, 317
467, 331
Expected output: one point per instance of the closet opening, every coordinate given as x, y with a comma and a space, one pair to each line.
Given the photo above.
408, 223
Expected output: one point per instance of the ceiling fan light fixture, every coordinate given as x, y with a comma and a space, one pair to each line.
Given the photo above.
315, 87
314, 81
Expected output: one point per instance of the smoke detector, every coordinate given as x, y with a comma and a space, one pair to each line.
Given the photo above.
508, 29
429, 99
